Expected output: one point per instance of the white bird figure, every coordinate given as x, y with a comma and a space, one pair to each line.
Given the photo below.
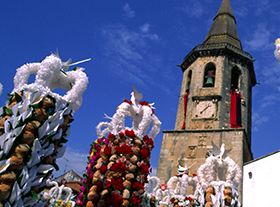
136, 96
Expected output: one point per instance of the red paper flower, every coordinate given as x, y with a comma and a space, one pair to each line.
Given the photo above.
103, 169
117, 183
144, 103
126, 149
148, 141
116, 199
119, 167
188, 198
144, 168
145, 152
130, 133
99, 185
107, 151
111, 137
137, 186
108, 183
121, 134
135, 200
127, 101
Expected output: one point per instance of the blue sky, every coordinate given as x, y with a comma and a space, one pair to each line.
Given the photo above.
137, 43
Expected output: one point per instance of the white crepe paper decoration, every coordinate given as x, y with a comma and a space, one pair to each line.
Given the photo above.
142, 117
208, 175
277, 49
52, 73
58, 193
178, 184
176, 188
220, 171
1, 89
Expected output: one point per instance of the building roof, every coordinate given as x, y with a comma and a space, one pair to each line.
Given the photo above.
70, 176
261, 158
223, 29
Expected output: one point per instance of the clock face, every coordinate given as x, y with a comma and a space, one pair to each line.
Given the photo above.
205, 110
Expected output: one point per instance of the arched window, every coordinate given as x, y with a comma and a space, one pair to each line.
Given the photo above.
189, 80
209, 75
235, 79
186, 95
235, 99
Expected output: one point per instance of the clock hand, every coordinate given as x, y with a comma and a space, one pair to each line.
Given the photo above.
204, 109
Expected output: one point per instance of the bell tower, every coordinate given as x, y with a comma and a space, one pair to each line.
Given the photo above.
215, 103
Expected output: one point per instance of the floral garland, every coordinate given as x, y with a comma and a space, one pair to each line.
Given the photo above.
117, 170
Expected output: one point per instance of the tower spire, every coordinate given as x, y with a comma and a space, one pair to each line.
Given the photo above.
223, 29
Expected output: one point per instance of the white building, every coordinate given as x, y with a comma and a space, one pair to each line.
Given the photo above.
261, 182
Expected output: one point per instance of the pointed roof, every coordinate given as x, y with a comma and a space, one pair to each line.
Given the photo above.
222, 39
223, 29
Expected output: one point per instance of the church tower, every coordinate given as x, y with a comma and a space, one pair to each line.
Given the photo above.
215, 104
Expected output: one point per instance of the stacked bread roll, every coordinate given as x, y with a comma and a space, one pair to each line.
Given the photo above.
227, 196
209, 193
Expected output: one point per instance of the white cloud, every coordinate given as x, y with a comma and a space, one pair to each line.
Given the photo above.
193, 9
127, 50
271, 75
261, 39
128, 11
258, 120
262, 6
145, 28
241, 11
72, 160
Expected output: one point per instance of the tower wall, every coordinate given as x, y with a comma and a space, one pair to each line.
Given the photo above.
194, 144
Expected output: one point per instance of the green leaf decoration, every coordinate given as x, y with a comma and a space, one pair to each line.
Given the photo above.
35, 106
8, 111
34, 195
